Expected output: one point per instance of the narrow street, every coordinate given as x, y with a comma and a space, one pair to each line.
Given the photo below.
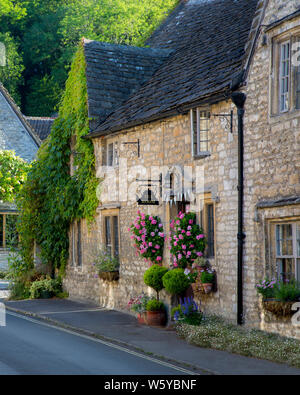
30, 347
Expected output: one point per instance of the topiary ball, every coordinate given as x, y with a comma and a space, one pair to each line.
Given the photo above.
176, 282
153, 277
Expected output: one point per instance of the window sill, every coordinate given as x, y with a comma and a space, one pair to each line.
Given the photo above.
284, 116
202, 155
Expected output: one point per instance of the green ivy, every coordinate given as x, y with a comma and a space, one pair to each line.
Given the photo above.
51, 198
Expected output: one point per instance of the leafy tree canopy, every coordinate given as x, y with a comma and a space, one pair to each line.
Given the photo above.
13, 171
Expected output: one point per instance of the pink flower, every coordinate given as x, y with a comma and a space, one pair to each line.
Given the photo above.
192, 246
199, 253
184, 247
188, 233
153, 222
178, 222
152, 234
150, 244
189, 253
143, 223
180, 237
161, 235
198, 237
191, 222
160, 225
175, 243
157, 247
158, 258
183, 231
175, 264
179, 256
189, 227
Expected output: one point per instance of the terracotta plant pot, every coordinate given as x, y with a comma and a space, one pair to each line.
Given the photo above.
109, 276
156, 318
142, 318
207, 287
278, 308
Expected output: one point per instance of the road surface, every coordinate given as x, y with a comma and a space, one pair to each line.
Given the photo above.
28, 346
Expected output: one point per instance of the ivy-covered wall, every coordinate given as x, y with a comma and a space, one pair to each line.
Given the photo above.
54, 196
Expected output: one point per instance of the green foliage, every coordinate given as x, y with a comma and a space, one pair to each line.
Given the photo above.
206, 277
176, 282
287, 292
45, 288
11, 75
153, 277
266, 288
155, 305
13, 171
104, 262
51, 198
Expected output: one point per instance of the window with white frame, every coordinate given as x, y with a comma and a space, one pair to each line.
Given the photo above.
288, 251
112, 158
200, 132
286, 75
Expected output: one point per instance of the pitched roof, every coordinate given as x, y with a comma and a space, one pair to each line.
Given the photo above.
10, 101
114, 72
208, 39
41, 125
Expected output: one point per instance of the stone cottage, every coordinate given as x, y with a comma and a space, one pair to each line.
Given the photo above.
17, 135
216, 93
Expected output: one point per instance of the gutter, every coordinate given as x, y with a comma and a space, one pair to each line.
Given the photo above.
239, 99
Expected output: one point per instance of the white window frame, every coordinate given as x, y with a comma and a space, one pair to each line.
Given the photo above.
199, 151
115, 158
295, 248
284, 96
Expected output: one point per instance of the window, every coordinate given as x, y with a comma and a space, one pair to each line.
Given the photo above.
111, 234
207, 222
288, 251
286, 76
8, 231
200, 132
112, 154
76, 244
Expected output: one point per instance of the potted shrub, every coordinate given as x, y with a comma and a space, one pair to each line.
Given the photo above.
176, 282
153, 278
107, 266
207, 280
156, 313
139, 306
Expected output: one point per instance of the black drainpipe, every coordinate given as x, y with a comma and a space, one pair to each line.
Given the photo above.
239, 99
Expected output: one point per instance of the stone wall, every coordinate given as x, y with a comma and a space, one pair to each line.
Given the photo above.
272, 159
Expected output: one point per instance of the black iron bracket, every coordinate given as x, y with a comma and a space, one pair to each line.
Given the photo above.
135, 143
228, 118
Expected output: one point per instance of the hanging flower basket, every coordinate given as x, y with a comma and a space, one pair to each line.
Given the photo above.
109, 276
278, 308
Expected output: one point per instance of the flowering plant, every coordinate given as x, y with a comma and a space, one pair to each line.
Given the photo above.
139, 304
147, 232
187, 242
266, 288
188, 312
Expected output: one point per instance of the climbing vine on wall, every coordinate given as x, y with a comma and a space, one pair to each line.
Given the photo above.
51, 198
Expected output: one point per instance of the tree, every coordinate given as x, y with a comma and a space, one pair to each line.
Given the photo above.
13, 171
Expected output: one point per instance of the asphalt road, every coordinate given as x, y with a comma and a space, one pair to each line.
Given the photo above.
32, 347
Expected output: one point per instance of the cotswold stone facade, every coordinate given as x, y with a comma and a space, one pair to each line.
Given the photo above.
271, 161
